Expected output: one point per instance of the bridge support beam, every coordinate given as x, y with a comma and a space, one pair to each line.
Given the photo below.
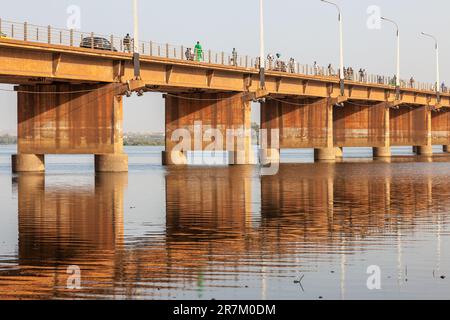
219, 123
70, 119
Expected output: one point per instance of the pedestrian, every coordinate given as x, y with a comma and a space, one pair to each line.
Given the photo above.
443, 88
198, 52
292, 65
270, 58
189, 55
127, 43
316, 68
330, 70
234, 57
412, 82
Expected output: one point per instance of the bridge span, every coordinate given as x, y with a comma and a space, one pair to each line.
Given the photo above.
70, 101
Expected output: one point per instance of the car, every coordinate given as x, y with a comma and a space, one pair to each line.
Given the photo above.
2, 35
98, 43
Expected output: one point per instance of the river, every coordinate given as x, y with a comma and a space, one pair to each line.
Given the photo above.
313, 231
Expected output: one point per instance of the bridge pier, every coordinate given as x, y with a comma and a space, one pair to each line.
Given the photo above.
328, 153
219, 123
446, 148
70, 119
299, 123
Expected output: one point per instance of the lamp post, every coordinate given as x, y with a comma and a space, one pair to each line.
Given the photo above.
341, 47
397, 83
438, 89
262, 59
136, 61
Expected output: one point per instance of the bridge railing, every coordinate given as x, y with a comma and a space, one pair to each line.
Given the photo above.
73, 38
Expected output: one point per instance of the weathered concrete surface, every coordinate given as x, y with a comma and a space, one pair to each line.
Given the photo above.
440, 127
360, 124
54, 121
408, 126
204, 121
303, 123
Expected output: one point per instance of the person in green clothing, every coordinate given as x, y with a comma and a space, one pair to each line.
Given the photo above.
198, 51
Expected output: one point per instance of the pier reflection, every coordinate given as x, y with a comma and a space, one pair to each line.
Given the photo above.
61, 226
223, 228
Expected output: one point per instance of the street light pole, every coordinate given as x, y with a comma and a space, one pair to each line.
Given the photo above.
438, 89
262, 59
341, 47
136, 60
397, 83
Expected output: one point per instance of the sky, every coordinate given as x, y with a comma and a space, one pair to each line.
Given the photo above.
304, 29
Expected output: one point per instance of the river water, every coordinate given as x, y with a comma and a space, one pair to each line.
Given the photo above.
312, 231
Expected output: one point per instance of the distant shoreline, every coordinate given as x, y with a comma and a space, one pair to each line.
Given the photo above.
129, 140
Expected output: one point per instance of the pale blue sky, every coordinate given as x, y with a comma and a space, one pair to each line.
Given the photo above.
305, 29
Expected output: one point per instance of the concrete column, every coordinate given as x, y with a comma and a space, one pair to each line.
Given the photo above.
385, 150
327, 153
111, 162
28, 163
271, 123
427, 149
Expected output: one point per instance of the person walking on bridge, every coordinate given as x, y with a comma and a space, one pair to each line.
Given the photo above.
234, 58
127, 43
198, 52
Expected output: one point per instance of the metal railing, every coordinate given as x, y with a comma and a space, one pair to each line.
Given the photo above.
73, 38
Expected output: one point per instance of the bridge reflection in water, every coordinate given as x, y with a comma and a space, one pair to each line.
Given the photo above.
228, 229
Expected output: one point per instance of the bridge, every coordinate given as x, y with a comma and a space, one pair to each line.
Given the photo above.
70, 101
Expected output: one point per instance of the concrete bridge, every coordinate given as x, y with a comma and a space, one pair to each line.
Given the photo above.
70, 101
